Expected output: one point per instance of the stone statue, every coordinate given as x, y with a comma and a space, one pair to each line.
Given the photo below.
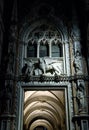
80, 96
10, 62
7, 94
77, 63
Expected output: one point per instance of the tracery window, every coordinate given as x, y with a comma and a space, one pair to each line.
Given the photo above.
32, 50
45, 41
56, 50
44, 50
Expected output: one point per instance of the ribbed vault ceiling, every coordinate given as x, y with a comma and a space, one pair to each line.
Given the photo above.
44, 109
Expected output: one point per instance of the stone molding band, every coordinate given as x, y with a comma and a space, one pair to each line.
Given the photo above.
43, 78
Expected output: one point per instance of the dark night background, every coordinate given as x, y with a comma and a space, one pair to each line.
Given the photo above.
63, 8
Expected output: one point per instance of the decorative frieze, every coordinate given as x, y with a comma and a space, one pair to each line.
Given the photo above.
27, 78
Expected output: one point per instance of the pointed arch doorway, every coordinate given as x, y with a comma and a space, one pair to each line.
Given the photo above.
45, 110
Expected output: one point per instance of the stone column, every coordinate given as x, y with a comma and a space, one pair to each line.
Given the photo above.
82, 122
6, 116
50, 49
38, 45
81, 117
67, 57
1, 27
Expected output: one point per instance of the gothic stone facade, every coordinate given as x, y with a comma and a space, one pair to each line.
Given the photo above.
44, 70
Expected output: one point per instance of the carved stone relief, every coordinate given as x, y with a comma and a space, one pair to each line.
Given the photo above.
43, 66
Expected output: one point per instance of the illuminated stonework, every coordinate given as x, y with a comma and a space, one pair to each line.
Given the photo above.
44, 70
44, 108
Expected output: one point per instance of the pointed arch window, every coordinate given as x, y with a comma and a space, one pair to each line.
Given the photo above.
45, 41
44, 50
32, 50
56, 50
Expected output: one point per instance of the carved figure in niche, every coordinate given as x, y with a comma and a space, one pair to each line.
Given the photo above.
10, 63
77, 63
80, 97
7, 94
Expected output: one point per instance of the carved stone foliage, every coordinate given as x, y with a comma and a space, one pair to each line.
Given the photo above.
43, 66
